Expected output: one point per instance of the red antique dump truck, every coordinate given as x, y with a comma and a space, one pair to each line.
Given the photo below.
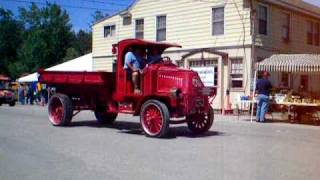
169, 94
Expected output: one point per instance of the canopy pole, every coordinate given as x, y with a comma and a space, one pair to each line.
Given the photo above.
253, 94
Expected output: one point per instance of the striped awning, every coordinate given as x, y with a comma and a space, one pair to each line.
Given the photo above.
290, 63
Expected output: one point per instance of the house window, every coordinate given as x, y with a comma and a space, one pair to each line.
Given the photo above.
161, 28
286, 27
127, 20
140, 28
263, 19
236, 73
110, 31
218, 21
317, 34
310, 32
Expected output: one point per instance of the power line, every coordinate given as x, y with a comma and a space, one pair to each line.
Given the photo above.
104, 2
63, 5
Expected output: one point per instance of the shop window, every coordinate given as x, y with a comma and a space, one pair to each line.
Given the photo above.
236, 73
208, 76
263, 19
286, 27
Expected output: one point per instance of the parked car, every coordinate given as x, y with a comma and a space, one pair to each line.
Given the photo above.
7, 97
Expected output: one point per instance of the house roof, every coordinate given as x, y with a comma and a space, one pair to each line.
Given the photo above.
299, 6
118, 13
291, 63
296, 5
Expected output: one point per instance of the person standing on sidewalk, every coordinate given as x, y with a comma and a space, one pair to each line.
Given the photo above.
263, 89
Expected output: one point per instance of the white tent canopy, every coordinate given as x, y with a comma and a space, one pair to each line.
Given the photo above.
83, 63
290, 63
29, 78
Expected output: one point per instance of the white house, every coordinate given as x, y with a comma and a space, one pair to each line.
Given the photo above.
241, 31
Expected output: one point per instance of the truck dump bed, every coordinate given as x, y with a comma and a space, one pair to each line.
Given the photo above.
77, 78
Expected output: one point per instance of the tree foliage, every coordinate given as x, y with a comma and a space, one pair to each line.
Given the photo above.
47, 37
39, 37
97, 16
10, 40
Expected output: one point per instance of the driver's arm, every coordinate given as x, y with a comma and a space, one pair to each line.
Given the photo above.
131, 67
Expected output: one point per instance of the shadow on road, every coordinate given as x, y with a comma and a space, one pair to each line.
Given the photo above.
135, 128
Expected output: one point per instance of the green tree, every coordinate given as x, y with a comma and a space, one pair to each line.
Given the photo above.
10, 40
83, 42
47, 37
72, 53
97, 16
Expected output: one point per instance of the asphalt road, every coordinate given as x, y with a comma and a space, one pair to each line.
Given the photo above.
32, 149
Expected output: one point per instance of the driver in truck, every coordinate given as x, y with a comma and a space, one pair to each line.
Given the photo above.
133, 64
154, 56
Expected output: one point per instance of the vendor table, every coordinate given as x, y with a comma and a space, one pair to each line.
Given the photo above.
295, 110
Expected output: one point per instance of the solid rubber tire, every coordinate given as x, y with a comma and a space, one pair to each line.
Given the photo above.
105, 118
165, 116
67, 107
204, 129
12, 103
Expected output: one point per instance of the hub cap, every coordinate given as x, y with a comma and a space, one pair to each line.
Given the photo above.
199, 121
56, 111
152, 120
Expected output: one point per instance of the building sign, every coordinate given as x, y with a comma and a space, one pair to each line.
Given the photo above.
206, 75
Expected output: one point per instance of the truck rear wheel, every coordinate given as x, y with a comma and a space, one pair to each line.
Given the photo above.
105, 118
155, 119
200, 123
60, 110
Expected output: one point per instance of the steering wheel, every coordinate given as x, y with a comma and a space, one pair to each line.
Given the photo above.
166, 59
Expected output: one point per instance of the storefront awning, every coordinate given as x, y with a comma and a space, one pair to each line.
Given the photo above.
290, 63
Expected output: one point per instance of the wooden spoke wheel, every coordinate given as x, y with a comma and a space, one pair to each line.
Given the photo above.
200, 123
155, 119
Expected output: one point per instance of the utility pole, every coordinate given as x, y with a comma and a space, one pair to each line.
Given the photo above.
253, 13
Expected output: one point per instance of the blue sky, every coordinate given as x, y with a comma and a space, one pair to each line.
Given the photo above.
81, 17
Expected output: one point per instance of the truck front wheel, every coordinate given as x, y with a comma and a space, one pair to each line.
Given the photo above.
105, 118
60, 110
200, 123
155, 119
13, 103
